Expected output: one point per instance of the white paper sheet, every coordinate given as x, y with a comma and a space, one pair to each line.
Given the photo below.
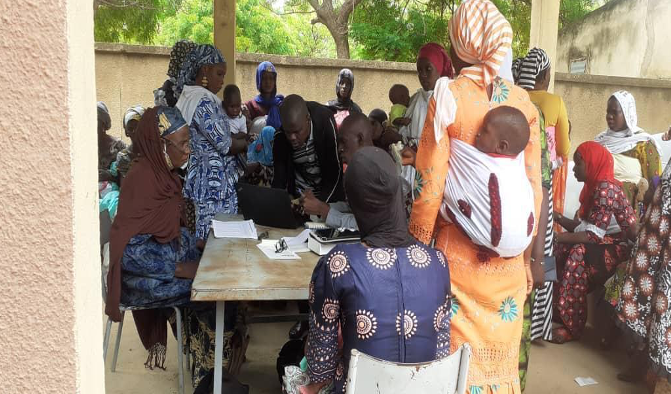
267, 246
585, 381
299, 243
236, 229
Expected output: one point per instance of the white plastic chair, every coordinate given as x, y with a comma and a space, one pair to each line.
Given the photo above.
445, 376
105, 225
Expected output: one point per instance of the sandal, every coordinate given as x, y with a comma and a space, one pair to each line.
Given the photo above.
560, 336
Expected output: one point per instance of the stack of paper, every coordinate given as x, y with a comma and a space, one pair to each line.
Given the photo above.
299, 243
235, 229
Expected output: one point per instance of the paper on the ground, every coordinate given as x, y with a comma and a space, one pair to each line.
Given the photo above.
585, 381
299, 243
234, 229
267, 246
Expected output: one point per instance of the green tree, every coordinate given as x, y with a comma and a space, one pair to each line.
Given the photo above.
131, 21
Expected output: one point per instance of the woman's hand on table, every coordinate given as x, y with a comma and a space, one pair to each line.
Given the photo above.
186, 270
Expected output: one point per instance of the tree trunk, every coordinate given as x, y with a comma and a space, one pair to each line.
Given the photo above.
342, 45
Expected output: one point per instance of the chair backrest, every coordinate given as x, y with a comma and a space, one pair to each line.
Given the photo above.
445, 376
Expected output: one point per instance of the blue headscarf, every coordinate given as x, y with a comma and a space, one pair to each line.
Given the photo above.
169, 120
261, 150
199, 56
273, 103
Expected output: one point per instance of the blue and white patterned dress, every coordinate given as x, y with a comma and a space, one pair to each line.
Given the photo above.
391, 303
212, 174
148, 268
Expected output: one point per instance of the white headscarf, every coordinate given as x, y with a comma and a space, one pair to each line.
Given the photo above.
133, 113
625, 140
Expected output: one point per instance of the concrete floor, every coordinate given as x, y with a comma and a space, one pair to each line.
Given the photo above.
552, 370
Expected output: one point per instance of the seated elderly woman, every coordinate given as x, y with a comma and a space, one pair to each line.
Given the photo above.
389, 294
587, 255
153, 257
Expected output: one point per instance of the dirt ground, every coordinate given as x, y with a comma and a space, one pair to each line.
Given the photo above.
553, 368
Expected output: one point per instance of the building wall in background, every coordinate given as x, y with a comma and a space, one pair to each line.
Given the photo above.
624, 38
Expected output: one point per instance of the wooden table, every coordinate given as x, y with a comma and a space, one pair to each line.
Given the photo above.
236, 270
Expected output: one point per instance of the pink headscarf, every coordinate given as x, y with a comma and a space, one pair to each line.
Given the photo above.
436, 54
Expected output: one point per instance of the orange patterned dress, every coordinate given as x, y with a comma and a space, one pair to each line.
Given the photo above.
489, 292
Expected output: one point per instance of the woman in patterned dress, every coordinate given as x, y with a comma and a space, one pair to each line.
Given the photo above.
643, 308
586, 254
213, 169
389, 294
489, 291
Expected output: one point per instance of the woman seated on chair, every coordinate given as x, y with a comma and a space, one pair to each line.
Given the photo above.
586, 254
153, 257
389, 294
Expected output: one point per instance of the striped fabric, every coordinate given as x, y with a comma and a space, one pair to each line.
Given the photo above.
541, 314
533, 64
308, 172
481, 36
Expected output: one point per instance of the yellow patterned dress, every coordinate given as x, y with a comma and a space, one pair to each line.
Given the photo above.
489, 292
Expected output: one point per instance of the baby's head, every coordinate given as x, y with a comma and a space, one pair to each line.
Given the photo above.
399, 94
504, 131
232, 101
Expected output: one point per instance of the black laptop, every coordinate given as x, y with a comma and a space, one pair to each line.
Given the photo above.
267, 206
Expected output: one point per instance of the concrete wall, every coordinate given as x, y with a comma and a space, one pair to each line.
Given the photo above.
624, 38
586, 96
127, 75
51, 325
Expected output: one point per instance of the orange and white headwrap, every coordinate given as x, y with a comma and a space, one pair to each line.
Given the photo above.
481, 36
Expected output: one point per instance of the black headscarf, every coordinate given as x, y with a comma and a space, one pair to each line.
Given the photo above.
344, 103
375, 195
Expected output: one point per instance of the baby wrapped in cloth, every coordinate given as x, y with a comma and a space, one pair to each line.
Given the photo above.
487, 192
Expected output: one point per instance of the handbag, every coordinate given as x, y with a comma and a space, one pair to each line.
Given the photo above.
550, 267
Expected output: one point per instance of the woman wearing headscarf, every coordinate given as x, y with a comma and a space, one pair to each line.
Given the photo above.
267, 102
432, 63
130, 121
343, 105
389, 294
488, 291
166, 94
213, 168
108, 176
153, 257
635, 153
586, 254
643, 306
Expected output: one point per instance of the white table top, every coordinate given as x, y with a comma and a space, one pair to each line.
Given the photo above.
236, 270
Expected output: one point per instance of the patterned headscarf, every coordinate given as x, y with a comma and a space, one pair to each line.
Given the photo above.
480, 36
169, 120
628, 105
177, 55
200, 56
436, 54
533, 64
516, 69
133, 113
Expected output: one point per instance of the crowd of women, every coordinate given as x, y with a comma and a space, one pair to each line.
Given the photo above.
191, 149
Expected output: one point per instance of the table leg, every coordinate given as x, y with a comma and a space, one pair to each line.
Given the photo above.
218, 347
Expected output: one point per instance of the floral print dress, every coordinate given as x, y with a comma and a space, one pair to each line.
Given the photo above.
581, 267
643, 308
391, 303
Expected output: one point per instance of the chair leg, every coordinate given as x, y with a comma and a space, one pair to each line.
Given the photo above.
118, 342
106, 340
180, 349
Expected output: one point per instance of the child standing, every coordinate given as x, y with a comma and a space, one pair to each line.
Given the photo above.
237, 122
399, 95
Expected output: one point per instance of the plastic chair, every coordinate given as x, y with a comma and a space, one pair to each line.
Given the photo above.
105, 225
445, 376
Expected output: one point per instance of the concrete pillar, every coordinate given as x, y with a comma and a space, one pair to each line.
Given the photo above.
544, 29
224, 34
50, 298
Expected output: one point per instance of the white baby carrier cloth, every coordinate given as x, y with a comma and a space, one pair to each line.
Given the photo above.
490, 199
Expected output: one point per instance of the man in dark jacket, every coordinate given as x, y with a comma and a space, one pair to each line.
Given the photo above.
305, 152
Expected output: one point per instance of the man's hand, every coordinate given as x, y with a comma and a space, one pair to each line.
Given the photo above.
313, 206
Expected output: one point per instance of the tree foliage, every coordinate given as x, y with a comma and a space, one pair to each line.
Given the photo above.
370, 29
